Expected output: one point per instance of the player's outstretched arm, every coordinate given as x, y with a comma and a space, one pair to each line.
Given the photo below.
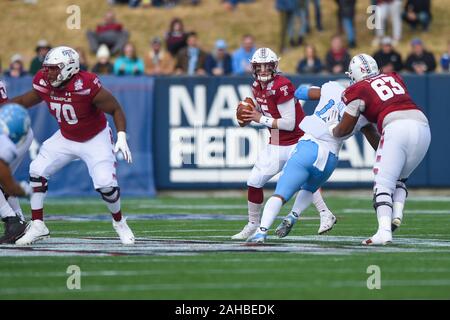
7, 182
345, 126
106, 102
372, 135
28, 99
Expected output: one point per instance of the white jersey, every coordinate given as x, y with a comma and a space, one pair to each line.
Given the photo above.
13, 154
315, 126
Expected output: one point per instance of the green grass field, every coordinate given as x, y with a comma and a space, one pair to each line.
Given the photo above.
184, 251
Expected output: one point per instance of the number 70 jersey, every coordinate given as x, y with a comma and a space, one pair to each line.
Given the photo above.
380, 95
72, 106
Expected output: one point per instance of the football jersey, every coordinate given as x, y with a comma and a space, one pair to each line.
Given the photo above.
71, 105
278, 91
382, 95
3, 95
316, 125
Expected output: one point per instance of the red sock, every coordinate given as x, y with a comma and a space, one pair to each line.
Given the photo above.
37, 214
117, 216
255, 195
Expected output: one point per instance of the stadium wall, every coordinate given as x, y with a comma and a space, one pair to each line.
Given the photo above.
183, 135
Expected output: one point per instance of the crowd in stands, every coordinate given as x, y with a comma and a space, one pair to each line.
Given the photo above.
178, 51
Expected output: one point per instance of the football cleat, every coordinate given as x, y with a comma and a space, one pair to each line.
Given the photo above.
381, 238
14, 229
396, 222
124, 231
36, 230
327, 221
286, 225
259, 237
248, 230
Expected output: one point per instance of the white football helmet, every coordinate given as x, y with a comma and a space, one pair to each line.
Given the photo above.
264, 64
68, 61
362, 66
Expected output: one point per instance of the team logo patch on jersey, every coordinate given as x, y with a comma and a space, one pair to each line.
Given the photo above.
42, 82
78, 84
285, 90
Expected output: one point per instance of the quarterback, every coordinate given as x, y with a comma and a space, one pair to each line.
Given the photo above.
281, 113
78, 102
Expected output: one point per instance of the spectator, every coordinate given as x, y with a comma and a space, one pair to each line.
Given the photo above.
286, 8
191, 60
241, 57
337, 58
128, 63
418, 12
230, 5
83, 60
218, 63
445, 59
386, 8
347, 15
420, 61
103, 65
41, 51
16, 69
110, 32
310, 63
317, 12
387, 58
158, 61
176, 37
300, 13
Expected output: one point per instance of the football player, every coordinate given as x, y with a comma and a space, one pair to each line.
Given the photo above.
405, 137
78, 102
16, 137
313, 160
281, 113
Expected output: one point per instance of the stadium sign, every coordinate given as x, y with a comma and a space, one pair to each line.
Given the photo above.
199, 143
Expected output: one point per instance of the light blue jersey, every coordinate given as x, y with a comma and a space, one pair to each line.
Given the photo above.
316, 154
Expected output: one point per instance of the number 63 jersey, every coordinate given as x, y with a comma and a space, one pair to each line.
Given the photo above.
378, 96
72, 106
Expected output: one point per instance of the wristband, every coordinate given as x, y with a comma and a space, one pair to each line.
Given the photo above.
268, 122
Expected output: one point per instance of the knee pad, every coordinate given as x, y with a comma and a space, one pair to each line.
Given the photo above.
38, 183
382, 197
109, 194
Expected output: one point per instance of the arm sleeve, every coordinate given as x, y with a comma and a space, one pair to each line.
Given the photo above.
355, 107
287, 112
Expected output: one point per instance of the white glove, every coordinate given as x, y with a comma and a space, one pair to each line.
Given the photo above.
26, 188
333, 121
122, 145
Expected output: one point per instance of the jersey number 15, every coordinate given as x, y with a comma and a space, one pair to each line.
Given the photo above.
387, 87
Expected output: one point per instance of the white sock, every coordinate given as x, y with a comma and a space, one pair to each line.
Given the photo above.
37, 200
399, 203
318, 201
271, 210
113, 207
254, 212
15, 205
302, 201
6, 211
384, 213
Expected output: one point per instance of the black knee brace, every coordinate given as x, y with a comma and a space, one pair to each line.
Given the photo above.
39, 184
108, 196
377, 204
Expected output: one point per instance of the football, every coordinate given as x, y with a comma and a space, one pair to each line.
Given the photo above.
247, 104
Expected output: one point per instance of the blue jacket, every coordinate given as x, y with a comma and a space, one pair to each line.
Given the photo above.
127, 66
241, 58
211, 63
286, 5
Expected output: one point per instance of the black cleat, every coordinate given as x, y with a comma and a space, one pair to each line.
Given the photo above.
14, 229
